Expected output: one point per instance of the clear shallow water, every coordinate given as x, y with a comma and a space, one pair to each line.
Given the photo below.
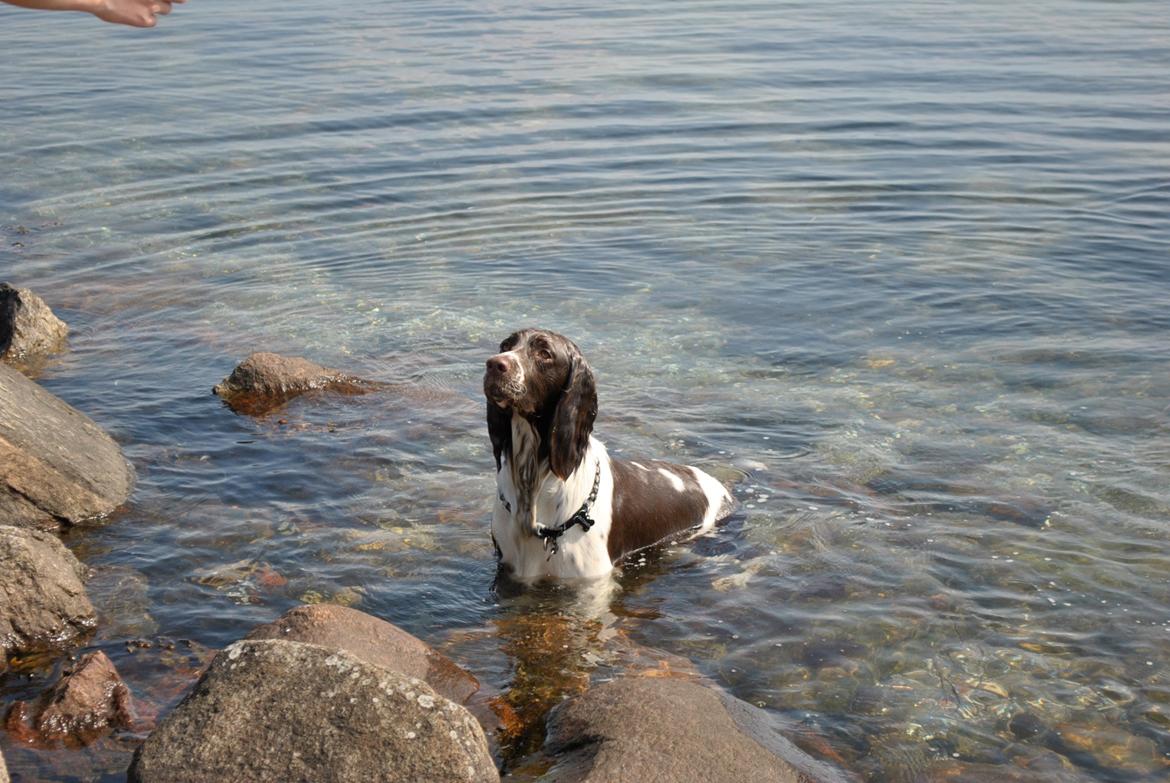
901, 267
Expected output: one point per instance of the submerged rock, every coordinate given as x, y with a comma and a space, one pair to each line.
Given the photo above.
270, 710
28, 328
43, 605
967, 772
374, 641
1025, 511
56, 465
243, 581
634, 730
1025, 726
88, 703
265, 381
121, 596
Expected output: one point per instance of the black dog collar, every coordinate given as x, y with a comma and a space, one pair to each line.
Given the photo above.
580, 517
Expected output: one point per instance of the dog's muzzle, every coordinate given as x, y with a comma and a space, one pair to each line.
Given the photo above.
503, 382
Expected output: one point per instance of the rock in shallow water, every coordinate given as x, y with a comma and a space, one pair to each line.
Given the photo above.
28, 328
270, 710
371, 640
56, 465
265, 381
635, 730
965, 772
121, 596
85, 704
43, 605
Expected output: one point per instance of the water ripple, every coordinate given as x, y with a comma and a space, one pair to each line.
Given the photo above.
900, 273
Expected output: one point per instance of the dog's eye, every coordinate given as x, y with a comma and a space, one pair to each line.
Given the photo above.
544, 354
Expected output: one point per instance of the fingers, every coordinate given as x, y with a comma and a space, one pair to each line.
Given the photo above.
138, 13
144, 18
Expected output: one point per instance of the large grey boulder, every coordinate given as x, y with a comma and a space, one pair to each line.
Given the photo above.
43, 605
265, 381
28, 328
378, 642
639, 729
269, 710
374, 641
56, 465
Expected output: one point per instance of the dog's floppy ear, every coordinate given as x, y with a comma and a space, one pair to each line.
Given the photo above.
499, 423
573, 420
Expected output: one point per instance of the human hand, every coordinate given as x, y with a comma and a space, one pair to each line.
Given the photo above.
137, 13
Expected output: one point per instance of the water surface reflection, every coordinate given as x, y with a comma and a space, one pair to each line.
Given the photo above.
901, 273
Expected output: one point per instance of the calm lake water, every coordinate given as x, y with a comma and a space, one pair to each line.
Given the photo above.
901, 270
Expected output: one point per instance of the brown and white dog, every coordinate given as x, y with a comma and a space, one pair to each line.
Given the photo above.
564, 507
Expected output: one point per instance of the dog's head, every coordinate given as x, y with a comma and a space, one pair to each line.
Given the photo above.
542, 376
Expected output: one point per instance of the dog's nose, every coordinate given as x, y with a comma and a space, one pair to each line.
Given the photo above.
499, 364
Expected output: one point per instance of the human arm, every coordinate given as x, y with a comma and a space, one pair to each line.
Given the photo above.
137, 13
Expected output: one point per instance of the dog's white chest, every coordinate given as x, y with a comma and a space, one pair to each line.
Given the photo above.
578, 553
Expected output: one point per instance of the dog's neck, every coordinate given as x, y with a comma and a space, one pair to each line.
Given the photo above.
526, 468
535, 494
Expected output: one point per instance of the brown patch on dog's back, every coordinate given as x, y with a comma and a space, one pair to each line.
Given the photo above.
647, 508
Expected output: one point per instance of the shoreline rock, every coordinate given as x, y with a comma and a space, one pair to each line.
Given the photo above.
274, 710
43, 603
87, 703
28, 328
265, 381
372, 640
57, 466
636, 729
